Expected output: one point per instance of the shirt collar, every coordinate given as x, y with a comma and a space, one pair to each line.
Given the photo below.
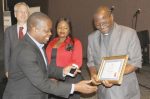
24, 26
36, 42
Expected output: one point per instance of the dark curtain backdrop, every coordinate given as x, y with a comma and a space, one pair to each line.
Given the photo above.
81, 13
1, 32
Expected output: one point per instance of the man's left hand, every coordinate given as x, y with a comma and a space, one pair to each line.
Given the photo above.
107, 83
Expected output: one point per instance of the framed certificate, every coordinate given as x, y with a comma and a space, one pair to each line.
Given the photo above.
112, 69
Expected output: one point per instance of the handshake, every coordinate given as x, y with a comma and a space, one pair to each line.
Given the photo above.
84, 86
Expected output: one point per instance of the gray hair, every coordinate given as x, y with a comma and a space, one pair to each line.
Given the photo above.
16, 7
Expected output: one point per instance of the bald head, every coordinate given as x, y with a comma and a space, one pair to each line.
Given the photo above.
39, 26
103, 10
103, 19
36, 20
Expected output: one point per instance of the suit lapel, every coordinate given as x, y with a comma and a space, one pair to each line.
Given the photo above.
97, 42
14, 36
115, 37
15, 33
40, 58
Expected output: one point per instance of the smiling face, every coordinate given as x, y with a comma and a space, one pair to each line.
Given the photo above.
39, 26
43, 32
103, 20
63, 29
21, 12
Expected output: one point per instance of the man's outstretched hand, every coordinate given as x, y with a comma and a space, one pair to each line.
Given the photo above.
85, 87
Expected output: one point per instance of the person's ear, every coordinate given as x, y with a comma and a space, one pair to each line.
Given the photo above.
112, 17
33, 28
15, 14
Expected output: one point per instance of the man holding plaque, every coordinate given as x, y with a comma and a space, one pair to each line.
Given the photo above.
111, 39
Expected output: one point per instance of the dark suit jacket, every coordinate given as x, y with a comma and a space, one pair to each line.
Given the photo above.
28, 77
11, 40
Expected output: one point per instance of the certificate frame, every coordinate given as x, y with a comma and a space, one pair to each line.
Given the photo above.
112, 69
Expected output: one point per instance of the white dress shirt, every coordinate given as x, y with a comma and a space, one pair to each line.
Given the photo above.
24, 29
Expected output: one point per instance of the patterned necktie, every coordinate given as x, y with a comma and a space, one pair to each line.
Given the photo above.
20, 33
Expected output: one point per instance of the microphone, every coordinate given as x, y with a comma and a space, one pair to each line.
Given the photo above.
137, 12
112, 9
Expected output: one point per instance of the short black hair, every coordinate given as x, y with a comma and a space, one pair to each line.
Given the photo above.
35, 19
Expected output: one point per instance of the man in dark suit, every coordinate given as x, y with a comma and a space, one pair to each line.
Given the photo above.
21, 12
28, 77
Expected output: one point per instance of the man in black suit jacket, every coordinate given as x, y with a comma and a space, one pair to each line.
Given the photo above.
21, 12
28, 78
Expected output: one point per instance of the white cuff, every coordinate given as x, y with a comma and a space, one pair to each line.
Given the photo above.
72, 89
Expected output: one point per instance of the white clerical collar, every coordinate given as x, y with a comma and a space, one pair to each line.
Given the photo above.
110, 32
106, 34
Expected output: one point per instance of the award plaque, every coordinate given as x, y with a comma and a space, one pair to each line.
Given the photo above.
112, 69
